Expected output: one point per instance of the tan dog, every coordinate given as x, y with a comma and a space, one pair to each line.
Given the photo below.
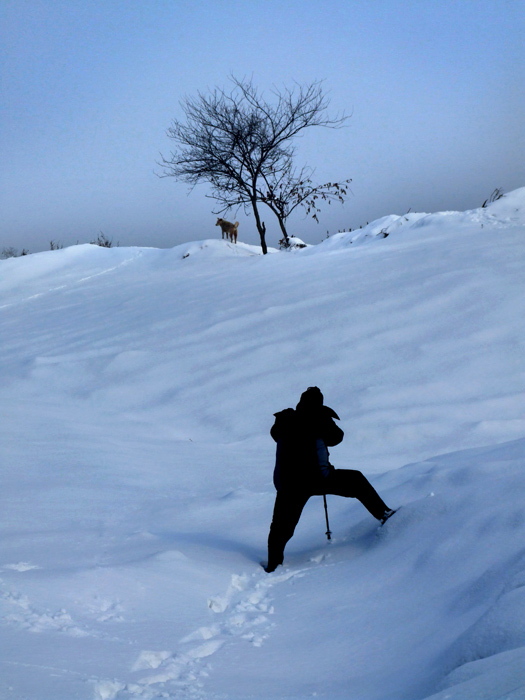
229, 229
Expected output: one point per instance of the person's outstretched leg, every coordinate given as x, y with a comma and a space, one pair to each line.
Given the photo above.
353, 484
286, 513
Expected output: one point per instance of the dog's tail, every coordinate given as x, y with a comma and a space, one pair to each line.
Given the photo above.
236, 224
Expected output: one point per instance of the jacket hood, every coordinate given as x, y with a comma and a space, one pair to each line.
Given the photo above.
311, 399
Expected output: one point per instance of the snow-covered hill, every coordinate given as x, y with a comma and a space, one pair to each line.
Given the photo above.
137, 392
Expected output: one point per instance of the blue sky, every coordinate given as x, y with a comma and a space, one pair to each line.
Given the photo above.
88, 88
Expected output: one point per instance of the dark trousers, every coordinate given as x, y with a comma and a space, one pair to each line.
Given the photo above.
289, 505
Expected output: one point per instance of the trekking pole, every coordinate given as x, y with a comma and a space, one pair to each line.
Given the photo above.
328, 532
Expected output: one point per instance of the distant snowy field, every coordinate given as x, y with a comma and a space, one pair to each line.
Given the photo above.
137, 392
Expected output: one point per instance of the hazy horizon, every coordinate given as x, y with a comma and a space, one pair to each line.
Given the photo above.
434, 91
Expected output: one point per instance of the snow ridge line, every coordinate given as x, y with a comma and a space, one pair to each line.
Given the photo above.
72, 284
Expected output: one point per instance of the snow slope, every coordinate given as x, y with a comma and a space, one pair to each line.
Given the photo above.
138, 387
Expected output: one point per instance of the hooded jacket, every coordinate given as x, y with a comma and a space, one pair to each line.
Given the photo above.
302, 436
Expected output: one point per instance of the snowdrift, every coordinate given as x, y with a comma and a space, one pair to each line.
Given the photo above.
138, 387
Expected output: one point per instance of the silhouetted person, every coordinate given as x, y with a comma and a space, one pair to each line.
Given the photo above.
302, 469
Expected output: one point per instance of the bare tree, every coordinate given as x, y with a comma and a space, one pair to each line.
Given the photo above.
241, 144
288, 190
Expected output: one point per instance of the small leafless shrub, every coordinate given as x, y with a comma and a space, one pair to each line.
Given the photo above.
103, 241
497, 194
9, 253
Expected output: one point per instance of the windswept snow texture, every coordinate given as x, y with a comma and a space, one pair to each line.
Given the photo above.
137, 389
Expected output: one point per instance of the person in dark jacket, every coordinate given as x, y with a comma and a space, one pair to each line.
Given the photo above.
302, 470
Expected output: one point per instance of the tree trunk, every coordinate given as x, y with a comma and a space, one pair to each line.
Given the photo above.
262, 234
281, 221
261, 228
283, 229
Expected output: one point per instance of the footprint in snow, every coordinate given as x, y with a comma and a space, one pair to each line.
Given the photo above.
246, 606
242, 612
19, 610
